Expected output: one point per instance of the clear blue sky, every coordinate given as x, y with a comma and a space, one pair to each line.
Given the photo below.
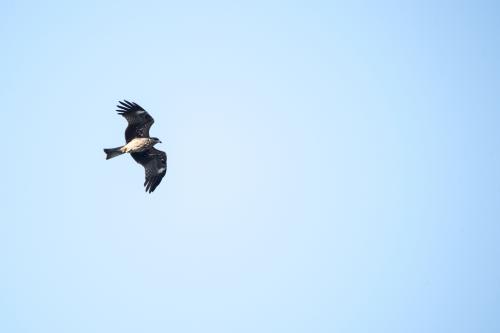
333, 167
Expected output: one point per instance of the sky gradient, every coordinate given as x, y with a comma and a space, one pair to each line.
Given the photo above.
333, 166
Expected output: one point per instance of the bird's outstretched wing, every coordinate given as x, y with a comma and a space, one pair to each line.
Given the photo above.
139, 120
154, 162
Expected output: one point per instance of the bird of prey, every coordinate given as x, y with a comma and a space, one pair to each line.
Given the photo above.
140, 145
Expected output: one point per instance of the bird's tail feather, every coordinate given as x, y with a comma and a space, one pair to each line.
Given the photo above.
113, 152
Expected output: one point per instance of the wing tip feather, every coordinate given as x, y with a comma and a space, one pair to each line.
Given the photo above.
127, 106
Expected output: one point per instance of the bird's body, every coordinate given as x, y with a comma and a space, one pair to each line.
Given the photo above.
140, 145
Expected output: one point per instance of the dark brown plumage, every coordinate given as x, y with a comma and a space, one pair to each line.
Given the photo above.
139, 121
154, 162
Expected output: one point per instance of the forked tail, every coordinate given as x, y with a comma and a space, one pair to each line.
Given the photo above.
113, 152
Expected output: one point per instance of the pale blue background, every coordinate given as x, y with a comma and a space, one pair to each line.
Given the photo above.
333, 167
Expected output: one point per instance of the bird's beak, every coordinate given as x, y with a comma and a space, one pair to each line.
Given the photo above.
160, 142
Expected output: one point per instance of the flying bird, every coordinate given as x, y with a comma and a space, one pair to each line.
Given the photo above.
140, 145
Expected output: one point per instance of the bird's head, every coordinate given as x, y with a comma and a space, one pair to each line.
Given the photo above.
156, 140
